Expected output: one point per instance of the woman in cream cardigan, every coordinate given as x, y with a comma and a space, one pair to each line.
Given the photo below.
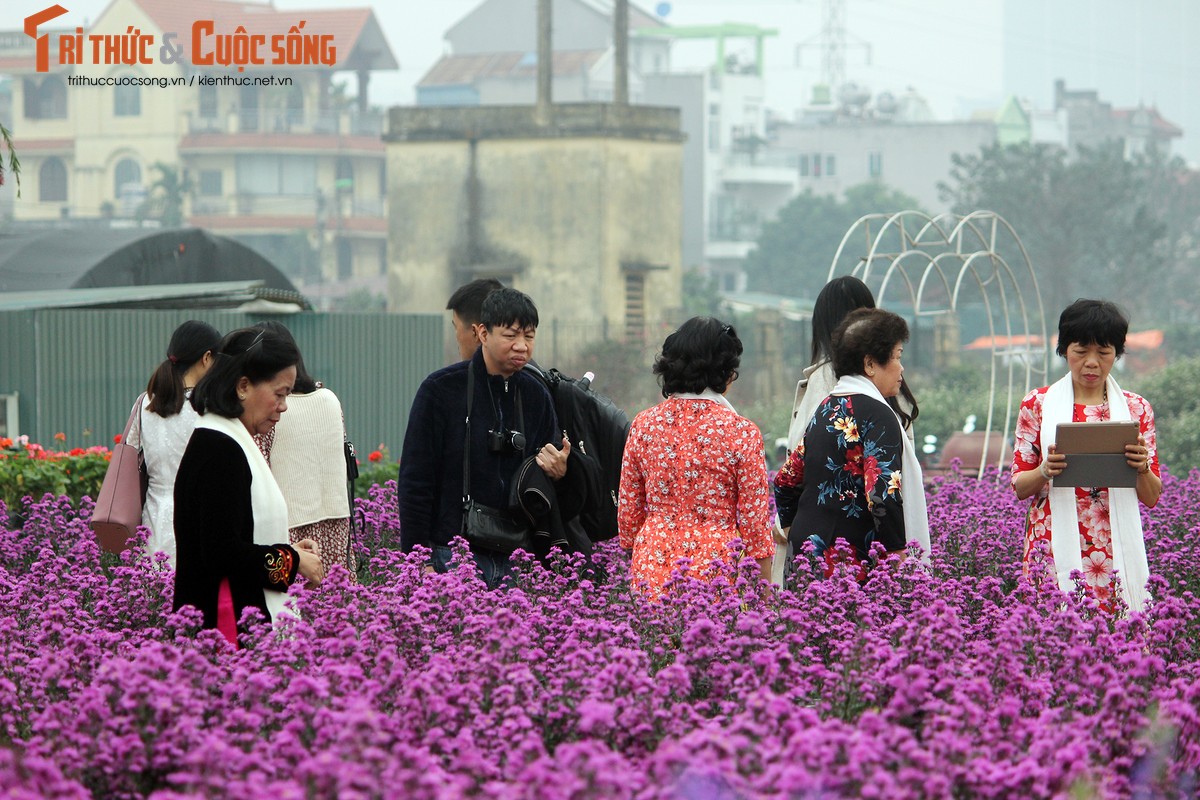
306, 451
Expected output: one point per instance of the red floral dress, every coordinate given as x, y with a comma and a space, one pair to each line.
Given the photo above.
694, 478
1095, 533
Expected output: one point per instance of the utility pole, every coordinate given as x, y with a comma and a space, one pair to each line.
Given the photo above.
621, 52
545, 63
833, 42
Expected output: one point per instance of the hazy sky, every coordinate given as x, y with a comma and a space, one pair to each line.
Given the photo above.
948, 49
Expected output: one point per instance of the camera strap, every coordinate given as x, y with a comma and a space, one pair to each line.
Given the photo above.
467, 438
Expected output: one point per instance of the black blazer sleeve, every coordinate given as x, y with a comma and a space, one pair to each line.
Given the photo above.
418, 488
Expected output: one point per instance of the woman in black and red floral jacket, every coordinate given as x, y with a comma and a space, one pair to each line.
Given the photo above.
847, 478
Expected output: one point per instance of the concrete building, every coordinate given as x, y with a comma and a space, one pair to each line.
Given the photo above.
294, 169
724, 116
1080, 118
581, 211
911, 157
492, 61
493, 55
1138, 55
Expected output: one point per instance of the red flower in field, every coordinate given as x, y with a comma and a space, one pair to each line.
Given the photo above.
60, 437
5, 442
375, 456
117, 439
78, 451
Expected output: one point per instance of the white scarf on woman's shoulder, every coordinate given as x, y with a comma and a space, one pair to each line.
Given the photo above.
912, 479
1125, 520
266, 500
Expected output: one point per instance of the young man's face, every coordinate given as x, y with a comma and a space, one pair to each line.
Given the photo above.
464, 334
506, 349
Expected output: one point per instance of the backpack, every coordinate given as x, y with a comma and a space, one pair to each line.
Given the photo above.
597, 429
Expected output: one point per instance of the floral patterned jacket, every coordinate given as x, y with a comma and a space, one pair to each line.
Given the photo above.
693, 479
843, 480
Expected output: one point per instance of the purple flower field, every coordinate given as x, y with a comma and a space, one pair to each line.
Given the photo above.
964, 681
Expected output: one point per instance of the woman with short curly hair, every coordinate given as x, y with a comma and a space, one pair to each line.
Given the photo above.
694, 476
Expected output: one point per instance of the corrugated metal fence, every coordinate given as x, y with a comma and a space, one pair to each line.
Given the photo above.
78, 371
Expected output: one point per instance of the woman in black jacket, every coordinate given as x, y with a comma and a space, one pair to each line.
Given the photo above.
230, 517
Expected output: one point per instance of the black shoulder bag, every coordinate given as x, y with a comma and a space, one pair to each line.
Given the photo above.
483, 526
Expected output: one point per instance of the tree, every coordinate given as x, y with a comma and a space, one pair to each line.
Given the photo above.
1093, 225
14, 164
701, 298
794, 251
167, 194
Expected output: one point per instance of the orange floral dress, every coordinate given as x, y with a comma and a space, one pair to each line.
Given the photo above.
694, 478
1095, 531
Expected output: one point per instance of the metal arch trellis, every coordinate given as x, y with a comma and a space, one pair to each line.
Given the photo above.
936, 260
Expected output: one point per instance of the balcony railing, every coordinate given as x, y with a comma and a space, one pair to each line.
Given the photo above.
258, 120
287, 206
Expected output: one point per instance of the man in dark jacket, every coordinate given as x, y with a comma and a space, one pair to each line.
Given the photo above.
430, 485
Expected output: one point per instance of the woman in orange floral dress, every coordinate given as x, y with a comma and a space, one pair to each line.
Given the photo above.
694, 476
1097, 530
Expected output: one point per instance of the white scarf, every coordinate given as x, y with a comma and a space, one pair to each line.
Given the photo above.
1125, 520
269, 507
912, 480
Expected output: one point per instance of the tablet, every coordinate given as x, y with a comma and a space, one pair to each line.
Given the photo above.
1095, 454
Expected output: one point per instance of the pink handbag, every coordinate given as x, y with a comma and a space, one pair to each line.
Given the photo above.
118, 509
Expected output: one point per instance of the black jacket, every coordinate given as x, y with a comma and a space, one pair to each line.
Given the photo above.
214, 531
431, 463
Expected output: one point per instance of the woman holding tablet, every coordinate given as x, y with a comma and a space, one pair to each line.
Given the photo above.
1096, 530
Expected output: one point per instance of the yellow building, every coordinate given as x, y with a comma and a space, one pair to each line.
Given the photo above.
284, 163
583, 214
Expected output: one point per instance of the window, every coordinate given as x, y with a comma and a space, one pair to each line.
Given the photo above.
127, 101
635, 306
295, 106
816, 165
208, 102
345, 259
830, 166
875, 164
714, 127
45, 99
210, 183
276, 175
52, 181
804, 165
344, 171
10, 423
248, 107
126, 176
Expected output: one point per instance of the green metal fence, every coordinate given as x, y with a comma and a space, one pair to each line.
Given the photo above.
78, 371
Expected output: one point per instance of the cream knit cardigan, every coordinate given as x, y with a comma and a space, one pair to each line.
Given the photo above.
308, 458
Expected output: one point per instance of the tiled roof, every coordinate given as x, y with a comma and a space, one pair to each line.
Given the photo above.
637, 17
346, 25
1160, 125
466, 69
